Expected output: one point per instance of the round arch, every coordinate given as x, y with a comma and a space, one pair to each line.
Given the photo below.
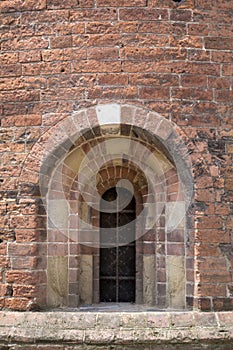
54, 164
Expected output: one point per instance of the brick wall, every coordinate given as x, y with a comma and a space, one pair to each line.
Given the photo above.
174, 58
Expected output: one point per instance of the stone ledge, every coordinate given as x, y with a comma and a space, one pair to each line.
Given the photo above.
116, 328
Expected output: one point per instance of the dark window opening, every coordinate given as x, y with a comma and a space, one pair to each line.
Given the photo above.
117, 259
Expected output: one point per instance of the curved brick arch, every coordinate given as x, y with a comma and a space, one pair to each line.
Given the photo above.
56, 142
128, 121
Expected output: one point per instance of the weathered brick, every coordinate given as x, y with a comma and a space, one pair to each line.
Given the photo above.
15, 249
141, 54
93, 14
113, 79
224, 96
114, 92
24, 96
20, 304
67, 54
93, 66
59, 4
154, 93
218, 43
30, 56
103, 54
25, 277
60, 41
44, 16
120, 3
20, 5
145, 40
143, 14
22, 120
209, 222
181, 15
25, 44
12, 70
8, 57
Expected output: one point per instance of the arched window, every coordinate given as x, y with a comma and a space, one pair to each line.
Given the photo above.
117, 252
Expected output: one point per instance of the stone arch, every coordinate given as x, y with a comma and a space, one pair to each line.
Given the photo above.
76, 135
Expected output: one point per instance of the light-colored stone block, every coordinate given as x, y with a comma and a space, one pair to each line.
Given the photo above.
74, 159
57, 281
86, 279
176, 282
58, 211
108, 114
148, 279
175, 215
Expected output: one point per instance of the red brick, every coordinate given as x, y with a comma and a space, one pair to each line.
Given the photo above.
24, 291
143, 14
7, 19
222, 56
63, 94
44, 16
197, 28
199, 55
25, 44
20, 304
193, 80
219, 83
181, 15
171, 4
26, 277
29, 222
141, 54
192, 94
8, 57
113, 79
5, 290
93, 14
22, 120
22, 5
214, 222
145, 40
153, 93
227, 70
30, 56
120, 3
10, 70
224, 96
60, 42
16, 249
67, 54
208, 249
210, 264
25, 262
24, 96
103, 54
216, 276
60, 4
29, 235
186, 42
93, 66
114, 92
218, 43
211, 289
155, 27
154, 79
108, 27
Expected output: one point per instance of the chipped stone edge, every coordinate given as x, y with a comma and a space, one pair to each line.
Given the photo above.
115, 327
